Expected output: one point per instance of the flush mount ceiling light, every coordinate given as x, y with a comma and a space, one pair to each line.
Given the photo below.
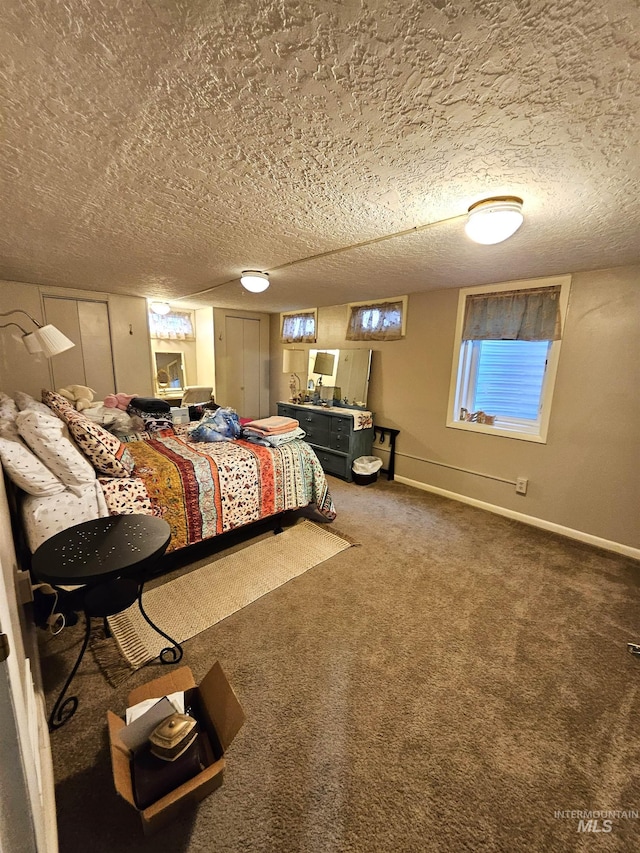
254, 281
160, 307
493, 220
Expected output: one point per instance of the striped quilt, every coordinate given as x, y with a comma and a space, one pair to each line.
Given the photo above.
204, 489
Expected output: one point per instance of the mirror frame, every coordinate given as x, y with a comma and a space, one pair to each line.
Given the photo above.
328, 380
170, 390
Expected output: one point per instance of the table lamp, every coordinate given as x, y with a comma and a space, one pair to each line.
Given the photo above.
323, 365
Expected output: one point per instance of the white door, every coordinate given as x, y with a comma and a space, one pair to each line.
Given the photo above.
27, 800
90, 362
243, 365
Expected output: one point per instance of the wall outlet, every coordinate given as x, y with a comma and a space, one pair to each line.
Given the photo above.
521, 485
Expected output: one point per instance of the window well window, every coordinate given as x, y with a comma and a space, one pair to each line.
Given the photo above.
506, 354
176, 325
377, 321
298, 327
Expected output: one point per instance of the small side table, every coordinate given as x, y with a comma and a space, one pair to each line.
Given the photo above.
110, 557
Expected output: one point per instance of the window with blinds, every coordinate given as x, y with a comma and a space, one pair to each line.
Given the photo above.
508, 378
508, 344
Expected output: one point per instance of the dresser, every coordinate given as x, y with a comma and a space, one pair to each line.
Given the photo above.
334, 433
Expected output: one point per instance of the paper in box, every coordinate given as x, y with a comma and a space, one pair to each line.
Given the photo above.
220, 715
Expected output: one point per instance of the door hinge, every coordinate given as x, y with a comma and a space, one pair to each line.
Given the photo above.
4, 647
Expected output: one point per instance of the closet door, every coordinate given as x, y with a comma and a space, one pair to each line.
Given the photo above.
243, 365
90, 362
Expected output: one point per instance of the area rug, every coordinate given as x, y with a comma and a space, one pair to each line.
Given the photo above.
197, 600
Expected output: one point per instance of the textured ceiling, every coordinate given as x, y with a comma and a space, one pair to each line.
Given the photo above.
160, 148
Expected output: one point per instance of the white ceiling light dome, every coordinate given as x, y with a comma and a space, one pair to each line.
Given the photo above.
493, 220
254, 281
160, 307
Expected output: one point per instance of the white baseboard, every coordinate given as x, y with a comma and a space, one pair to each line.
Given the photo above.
588, 538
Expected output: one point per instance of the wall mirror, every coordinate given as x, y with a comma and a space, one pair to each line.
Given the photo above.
170, 374
347, 370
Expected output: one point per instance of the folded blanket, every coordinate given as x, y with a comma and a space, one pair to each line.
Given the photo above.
272, 426
274, 440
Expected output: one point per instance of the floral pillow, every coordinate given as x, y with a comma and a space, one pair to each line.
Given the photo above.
105, 451
56, 402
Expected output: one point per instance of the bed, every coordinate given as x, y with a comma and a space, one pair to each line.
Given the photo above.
201, 489
205, 489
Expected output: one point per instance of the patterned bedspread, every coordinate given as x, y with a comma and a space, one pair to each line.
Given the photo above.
203, 489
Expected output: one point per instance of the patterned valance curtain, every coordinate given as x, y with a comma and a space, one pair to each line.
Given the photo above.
513, 315
299, 328
380, 321
175, 326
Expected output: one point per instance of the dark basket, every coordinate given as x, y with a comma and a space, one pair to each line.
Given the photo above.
364, 479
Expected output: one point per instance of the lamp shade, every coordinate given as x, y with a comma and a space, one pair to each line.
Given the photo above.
294, 361
254, 281
52, 340
324, 363
494, 219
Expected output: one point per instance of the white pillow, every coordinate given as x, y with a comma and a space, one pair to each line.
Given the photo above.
48, 437
24, 468
8, 427
8, 412
26, 402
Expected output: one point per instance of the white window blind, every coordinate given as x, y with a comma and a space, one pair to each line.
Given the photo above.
509, 377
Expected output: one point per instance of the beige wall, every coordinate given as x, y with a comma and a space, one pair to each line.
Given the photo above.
20, 371
585, 478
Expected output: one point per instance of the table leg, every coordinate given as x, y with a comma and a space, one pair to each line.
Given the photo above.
170, 654
63, 711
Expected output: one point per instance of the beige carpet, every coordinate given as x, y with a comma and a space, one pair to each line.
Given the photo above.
197, 600
458, 683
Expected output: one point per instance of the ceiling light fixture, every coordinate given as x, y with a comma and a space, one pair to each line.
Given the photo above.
46, 339
254, 281
488, 221
160, 307
493, 220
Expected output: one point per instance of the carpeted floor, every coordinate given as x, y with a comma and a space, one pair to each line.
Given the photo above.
449, 685
196, 600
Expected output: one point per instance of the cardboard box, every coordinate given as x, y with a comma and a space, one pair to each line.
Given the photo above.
180, 416
219, 714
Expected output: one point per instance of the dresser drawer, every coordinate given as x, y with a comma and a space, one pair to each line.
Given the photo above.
287, 411
316, 433
316, 426
333, 463
340, 441
341, 425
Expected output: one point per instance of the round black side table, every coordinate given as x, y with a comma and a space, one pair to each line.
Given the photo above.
110, 557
